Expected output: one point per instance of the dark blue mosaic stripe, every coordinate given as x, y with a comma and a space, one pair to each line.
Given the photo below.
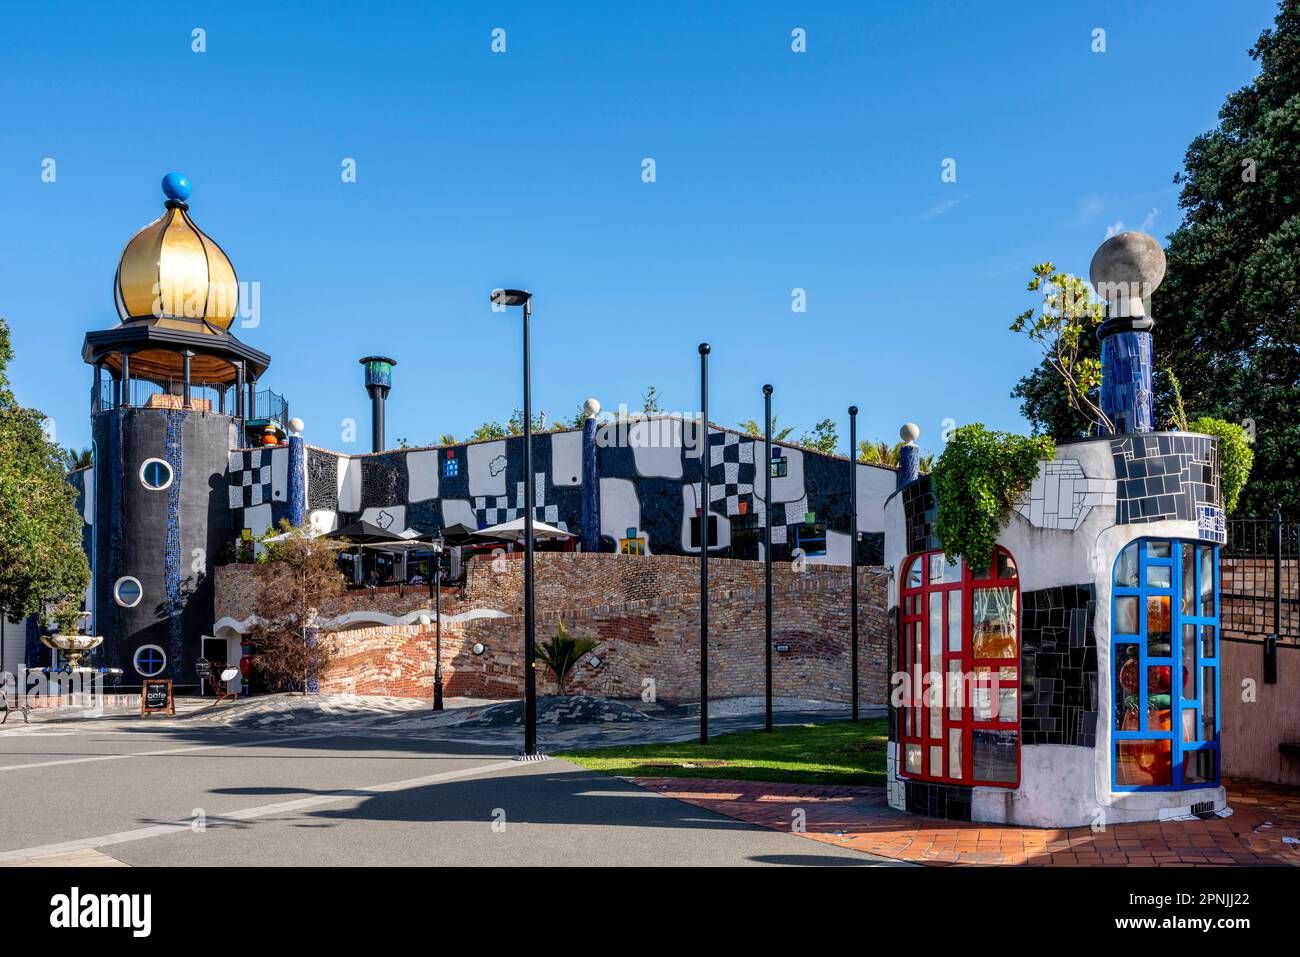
172, 550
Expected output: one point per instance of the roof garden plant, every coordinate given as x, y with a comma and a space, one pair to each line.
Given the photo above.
1065, 332
977, 481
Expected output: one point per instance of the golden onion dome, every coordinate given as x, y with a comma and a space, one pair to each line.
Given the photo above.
171, 270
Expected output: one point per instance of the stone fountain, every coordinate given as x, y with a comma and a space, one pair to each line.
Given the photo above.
73, 647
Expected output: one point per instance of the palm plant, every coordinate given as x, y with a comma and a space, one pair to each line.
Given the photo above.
882, 453
752, 427
80, 459
561, 654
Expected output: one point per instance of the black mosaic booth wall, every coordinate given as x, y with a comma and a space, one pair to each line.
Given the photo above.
1058, 666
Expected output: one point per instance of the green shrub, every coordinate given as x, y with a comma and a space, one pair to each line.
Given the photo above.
1235, 455
976, 482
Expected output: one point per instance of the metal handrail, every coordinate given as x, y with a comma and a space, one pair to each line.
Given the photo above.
215, 397
146, 393
270, 405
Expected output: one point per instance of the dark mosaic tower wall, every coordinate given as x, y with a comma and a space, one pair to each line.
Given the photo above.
165, 538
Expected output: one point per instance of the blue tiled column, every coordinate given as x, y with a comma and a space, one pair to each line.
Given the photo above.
590, 487
1126, 393
297, 480
909, 464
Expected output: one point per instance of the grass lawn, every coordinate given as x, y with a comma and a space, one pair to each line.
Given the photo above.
837, 753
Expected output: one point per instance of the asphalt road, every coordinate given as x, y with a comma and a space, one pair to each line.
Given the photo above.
184, 796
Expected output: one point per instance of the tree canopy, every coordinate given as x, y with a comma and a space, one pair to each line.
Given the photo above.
41, 559
1228, 313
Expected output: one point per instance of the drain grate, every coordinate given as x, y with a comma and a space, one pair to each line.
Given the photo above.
1203, 809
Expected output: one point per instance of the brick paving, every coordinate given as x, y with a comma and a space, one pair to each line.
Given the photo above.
859, 818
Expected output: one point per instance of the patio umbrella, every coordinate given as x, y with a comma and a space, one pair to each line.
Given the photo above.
514, 531
364, 533
458, 534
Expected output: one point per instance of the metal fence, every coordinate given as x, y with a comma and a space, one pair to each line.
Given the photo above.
1260, 572
270, 405
142, 393
219, 397
1260, 538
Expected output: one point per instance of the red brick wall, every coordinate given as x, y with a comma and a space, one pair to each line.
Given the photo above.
643, 609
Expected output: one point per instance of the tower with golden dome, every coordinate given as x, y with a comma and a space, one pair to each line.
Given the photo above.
175, 392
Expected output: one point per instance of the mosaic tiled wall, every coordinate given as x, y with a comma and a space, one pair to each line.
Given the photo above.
949, 801
1058, 666
919, 511
1165, 475
651, 488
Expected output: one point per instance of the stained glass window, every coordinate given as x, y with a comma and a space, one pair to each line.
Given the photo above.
1165, 657
960, 647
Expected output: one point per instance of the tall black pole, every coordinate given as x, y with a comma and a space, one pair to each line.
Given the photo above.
530, 676
853, 550
1277, 570
703, 442
767, 548
437, 634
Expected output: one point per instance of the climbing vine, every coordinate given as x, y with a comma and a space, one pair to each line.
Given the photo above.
976, 482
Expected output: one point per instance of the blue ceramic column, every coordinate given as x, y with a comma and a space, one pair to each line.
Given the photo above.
590, 478
909, 456
1125, 271
1126, 392
297, 474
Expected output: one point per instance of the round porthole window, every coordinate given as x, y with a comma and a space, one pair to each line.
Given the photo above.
149, 660
478, 648
156, 474
127, 592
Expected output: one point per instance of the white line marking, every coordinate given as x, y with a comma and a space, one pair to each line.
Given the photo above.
160, 753
249, 814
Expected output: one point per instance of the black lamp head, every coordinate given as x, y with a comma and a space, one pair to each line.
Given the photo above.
704, 348
511, 297
853, 410
767, 390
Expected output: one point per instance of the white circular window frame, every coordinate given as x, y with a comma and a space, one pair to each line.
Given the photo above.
117, 591
171, 474
135, 662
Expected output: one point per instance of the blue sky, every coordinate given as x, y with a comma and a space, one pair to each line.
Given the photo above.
775, 171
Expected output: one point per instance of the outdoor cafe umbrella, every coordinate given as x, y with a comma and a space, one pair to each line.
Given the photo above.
514, 531
459, 534
364, 533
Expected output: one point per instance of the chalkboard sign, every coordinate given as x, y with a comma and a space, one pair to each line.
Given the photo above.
156, 695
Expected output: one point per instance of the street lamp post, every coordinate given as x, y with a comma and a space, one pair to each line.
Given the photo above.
767, 546
703, 441
437, 617
853, 550
521, 297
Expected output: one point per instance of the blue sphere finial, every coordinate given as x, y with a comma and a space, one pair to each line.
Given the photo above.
176, 186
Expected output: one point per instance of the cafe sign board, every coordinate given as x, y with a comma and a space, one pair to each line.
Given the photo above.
156, 696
